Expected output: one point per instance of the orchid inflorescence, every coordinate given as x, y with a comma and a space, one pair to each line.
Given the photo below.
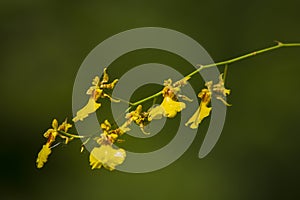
104, 153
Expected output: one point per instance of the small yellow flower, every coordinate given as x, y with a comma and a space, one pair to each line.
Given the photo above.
170, 105
65, 127
134, 115
51, 134
203, 111
96, 91
106, 156
218, 91
110, 136
105, 126
139, 117
43, 156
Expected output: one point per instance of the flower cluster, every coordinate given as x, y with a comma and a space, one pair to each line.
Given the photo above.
104, 152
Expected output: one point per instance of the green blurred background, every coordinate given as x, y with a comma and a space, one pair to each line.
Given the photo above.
43, 44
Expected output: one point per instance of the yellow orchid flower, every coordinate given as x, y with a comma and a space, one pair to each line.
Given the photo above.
220, 91
51, 134
96, 91
203, 111
170, 105
216, 90
139, 117
106, 156
168, 108
110, 136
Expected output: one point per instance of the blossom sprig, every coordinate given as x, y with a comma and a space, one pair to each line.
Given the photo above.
105, 153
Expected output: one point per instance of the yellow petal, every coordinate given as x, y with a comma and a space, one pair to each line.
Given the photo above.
110, 98
185, 98
156, 112
106, 124
48, 132
54, 124
202, 112
95, 164
143, 130
124, 128
91, 90
110, 85
138, 109
105, 77
182, 82
95, 81
65, 126
171, 107
219, 88
223, 101
226, 92
106, 156
114, 136
89, 108
43, 156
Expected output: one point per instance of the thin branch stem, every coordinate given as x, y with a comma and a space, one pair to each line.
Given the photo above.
225, 73
146, 99
70, 135
122, 100
277, 46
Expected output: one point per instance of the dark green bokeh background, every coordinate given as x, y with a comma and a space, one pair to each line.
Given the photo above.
257, 157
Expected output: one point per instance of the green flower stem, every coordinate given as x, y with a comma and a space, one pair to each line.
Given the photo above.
277, 46
146, 99
225, 73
